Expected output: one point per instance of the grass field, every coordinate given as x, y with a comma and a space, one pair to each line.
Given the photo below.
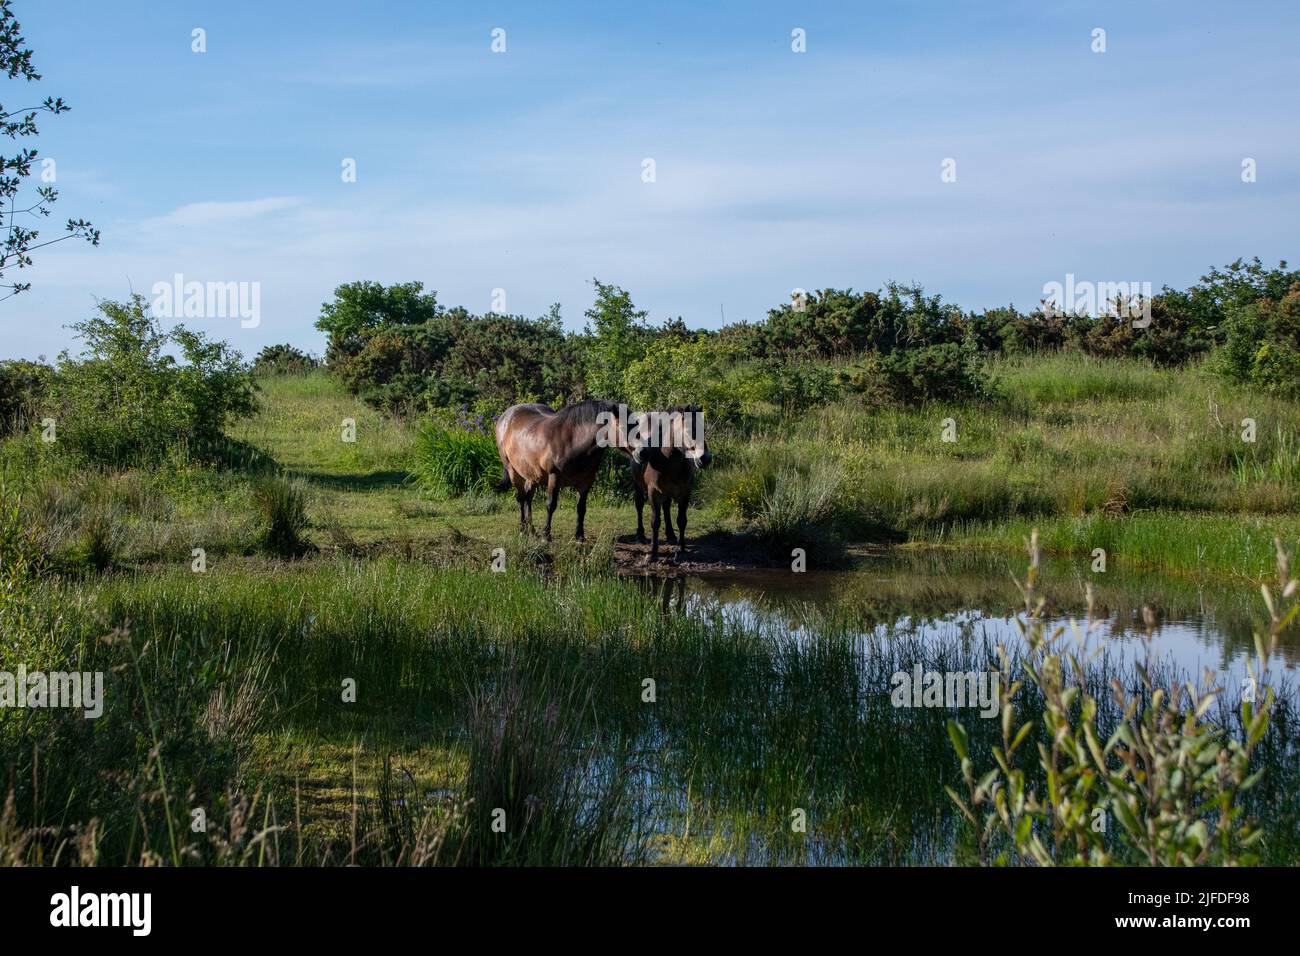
1149, 464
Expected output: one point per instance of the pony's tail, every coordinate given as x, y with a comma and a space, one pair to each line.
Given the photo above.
505, 482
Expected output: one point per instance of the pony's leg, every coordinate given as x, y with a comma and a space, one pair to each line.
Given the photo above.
655, 500
582, 512
523, 508
529, 491
667, 505
552, 499
681, 528
640, 519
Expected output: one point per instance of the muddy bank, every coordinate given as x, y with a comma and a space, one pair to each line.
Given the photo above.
714, 553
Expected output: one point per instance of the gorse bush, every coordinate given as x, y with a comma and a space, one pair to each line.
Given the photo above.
453, 460
1262, 344
126, 401
933, 373
400, 350
283, 360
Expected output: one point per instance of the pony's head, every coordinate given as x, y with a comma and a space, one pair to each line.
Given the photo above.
679, 431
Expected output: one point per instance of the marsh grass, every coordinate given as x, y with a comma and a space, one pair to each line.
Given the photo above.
530, 685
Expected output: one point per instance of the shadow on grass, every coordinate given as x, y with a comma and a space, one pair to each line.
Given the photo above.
371, 481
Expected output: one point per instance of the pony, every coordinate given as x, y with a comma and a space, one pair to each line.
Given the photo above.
663, 472
539, 446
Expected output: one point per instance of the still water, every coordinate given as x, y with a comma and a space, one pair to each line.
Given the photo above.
1192, 624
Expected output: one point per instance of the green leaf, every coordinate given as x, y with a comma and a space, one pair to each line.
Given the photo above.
957, 734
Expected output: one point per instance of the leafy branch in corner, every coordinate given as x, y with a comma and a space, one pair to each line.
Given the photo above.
19, 240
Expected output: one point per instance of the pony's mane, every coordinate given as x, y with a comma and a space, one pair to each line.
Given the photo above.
583, 413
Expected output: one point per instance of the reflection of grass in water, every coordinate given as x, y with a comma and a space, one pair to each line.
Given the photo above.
930, 583
747, 725
1234, 545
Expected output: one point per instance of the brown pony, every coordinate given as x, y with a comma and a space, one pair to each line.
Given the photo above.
664, 472
540, 446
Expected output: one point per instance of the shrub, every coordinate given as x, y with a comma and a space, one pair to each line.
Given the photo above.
401, 351
283, 360
934, 373
23, 386
452, 460
822, 324
616, 336
125, 401
694, 371
1262, 344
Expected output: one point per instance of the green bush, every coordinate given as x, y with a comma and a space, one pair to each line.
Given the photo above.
1262, 345
398, 349
126, 401
23, 385
283, 360
451, 460
616, 336
697, 371
933, 373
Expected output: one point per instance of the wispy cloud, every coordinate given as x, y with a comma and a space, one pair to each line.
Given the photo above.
203, 215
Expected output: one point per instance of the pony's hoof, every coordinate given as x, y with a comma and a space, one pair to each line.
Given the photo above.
641, 539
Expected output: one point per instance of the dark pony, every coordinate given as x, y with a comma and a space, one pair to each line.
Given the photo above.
663, 472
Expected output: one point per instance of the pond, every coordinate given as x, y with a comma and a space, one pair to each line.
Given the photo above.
1187, 622
813, 730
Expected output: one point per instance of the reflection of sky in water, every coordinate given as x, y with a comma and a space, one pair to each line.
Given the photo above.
1190, 642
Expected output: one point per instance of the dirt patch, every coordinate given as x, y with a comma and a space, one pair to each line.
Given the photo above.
711, 554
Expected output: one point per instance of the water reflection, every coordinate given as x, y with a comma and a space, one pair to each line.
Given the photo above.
670, 592
792, 706
1189, 623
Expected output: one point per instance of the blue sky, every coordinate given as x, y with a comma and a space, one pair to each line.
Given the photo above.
775, 170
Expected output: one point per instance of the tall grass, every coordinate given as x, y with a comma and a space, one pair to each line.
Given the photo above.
529, 693
451, 461
282, 508
1075, 440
